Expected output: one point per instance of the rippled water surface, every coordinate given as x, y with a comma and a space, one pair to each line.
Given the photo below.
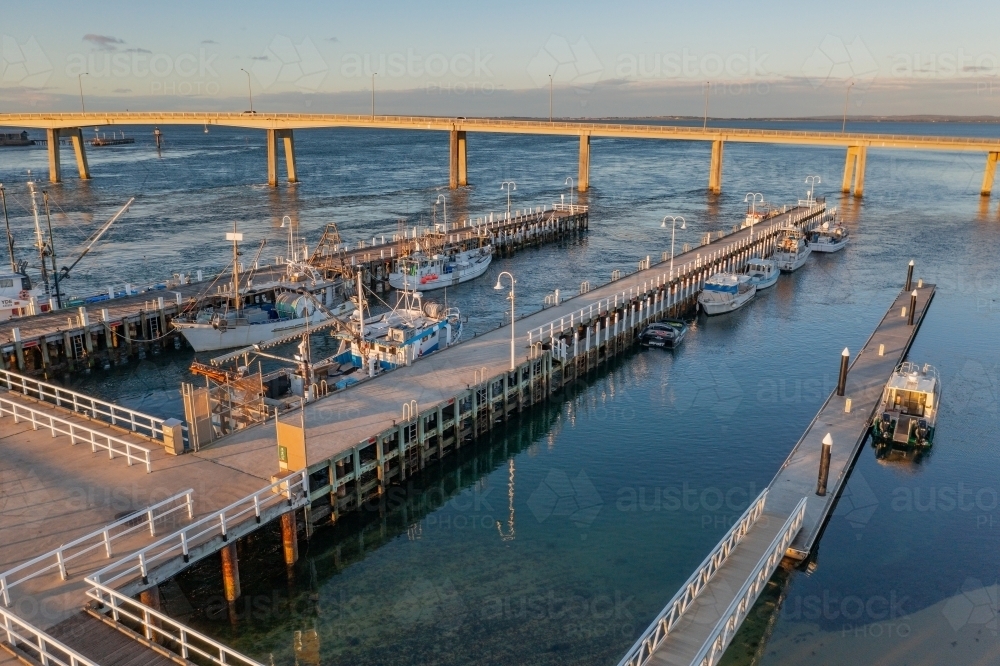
559, 539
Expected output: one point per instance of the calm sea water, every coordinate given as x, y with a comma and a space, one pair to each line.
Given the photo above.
561, 537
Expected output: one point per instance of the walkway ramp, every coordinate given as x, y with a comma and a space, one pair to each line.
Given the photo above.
106, 645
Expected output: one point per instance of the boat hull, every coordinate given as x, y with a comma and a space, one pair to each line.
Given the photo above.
828, 247
205, 337
788, 263
764, 283
717, 307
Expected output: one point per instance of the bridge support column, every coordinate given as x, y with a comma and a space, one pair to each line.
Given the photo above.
988, 175
715, 168
852, 158
272, 156
55, 173
859, 173
230, 572
583, 175
463, 160
79, 148
453, 159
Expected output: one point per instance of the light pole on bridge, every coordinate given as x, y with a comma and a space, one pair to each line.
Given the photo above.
79, 80
847, 98
249, 88
374, 74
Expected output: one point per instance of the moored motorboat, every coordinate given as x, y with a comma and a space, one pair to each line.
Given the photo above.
791, 250
725, 292
668, 333
762, 272
909, 408
827, 238
426, 272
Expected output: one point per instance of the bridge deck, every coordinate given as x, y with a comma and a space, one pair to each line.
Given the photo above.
866, 378
699, 620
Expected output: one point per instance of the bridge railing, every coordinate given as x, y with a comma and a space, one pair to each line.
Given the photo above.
37, 644
59, 558
77, 433
161, 628
101, 410
660, 628
719, 639
446, 123
292, 491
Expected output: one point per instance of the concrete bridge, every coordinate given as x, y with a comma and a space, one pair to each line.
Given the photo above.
281, 126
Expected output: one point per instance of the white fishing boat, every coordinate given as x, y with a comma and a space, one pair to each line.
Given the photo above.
909, 407
17, 296
254, 314
426, 272
762, 272
411, 330
725, 292
792, 249
827, 238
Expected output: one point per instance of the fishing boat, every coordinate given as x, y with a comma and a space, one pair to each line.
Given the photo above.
426, 272
909, 407
668, 333
828, 238
411, 330
792, 249
762, 272
725, 292
17, 296
252, 314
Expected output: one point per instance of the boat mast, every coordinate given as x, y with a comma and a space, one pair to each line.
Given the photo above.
39, 241
236, 237
52, 250
10, 238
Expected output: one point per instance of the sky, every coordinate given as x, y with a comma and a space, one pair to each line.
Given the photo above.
773, 58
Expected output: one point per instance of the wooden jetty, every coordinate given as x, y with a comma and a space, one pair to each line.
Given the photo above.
115, 330
785, 522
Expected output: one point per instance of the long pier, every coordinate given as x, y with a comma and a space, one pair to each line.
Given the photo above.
280, 127
787, 519
113, 330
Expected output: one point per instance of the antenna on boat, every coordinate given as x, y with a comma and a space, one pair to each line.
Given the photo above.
39, 242
236, 237
10, 237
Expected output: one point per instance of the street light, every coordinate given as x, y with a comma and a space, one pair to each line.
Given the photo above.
286, 222
499, 287
550, 98
569, 181
374, 74
708, 87
847, 97
79, 80
508, 185
752, 199
812, 181
444, 202
249, 88
673, 233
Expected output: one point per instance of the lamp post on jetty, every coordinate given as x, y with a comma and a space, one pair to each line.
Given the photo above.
812, 182
673, 234
444, 203
569, 181
752, 199
498, 286
508, 185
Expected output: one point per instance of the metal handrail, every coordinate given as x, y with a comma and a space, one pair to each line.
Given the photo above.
441, 122
38, 644
293, 490
161, 628
116, 415
148, 517
731, 620
77, 433
661, 626
549, 330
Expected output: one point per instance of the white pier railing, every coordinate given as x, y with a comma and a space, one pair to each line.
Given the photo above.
719, 639
77, 433
291, 491
162, 628
661, 627
37, 644
101, 410
61, 557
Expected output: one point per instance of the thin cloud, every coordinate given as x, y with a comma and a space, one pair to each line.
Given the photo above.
209, 41
122, 90
137, 51
332, 40
264, 57
103, 42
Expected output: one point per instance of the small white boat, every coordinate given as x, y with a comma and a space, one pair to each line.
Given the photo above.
828, 238
792, 250
725, 292
18, 297
421, 272
909, 407
762, 272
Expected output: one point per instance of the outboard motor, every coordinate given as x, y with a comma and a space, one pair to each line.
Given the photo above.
922, 430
